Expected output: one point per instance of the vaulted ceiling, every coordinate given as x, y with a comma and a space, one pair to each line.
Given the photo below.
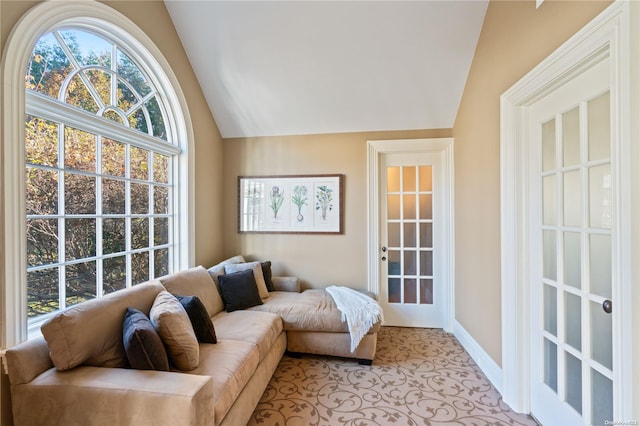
307, 67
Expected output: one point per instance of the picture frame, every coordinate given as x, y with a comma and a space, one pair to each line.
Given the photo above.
291, 204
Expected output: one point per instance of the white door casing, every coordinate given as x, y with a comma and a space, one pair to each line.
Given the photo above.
610, 34
441, 148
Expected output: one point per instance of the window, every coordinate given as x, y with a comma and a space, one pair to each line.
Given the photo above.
101, 201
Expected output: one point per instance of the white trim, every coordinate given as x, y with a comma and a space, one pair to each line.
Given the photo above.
374, 150
479, 355
609, 31
99, 17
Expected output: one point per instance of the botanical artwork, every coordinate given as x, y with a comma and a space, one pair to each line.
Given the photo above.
296, 204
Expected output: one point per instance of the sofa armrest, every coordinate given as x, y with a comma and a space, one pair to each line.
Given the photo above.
95, 395
291, 284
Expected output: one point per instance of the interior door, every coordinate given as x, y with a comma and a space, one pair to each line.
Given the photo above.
411, 291
572, 311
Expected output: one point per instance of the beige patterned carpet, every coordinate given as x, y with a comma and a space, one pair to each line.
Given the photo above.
419, 377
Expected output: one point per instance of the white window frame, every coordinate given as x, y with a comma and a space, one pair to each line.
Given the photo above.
98, 18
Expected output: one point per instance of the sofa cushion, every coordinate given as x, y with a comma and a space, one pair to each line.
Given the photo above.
256, 267
91, 332
142, 344
173, 325
231, 364
239, 290
195, 282
199, 317
260, 328
311, 310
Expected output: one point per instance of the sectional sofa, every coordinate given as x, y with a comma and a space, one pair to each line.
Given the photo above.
81, 371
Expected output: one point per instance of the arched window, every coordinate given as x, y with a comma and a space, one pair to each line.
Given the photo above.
103, 202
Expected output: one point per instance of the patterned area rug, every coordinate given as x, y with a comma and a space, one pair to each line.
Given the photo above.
419, 377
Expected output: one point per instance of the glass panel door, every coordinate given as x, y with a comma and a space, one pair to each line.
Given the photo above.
409, 252
575, 349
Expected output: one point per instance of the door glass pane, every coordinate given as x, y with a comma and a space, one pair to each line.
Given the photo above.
601, 399
409, 206
601, 335
393, 234
549, 145
424, 173
571, 206
549, 205
573, 320
408, 178
394, 262
394, 290
426, 235
599, 128
426, 263
393, 179
572, 271
549, 260
550, 310
550, 364
426, 291
410, 235
426, 206
410, 291
410, 262
600, 201
393, 207
573, 382
600, 264
571, 137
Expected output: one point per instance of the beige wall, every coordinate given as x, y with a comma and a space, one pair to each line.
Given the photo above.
153, 18
515, 37
318, 260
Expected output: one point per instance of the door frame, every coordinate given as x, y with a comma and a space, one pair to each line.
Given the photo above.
444, 146
608, 34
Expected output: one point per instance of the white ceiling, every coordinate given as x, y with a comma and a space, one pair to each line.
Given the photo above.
282, 67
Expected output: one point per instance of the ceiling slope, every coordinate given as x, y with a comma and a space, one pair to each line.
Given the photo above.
279, 68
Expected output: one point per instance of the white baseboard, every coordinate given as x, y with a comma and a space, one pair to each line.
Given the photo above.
482, 358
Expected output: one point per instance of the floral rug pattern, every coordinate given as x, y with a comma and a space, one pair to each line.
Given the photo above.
419, 377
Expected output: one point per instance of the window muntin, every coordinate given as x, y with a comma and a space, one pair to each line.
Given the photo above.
99, 200
89, 72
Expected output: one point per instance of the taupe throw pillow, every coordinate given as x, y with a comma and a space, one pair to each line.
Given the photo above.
174, 327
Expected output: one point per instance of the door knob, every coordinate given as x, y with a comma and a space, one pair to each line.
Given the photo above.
384, 258
384, 249
607, 306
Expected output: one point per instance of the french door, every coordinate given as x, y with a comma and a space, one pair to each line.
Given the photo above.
572, 350
411, 289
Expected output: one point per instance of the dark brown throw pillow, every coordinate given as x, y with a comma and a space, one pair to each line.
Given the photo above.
239, 290
202, 325
266, 272
142, 343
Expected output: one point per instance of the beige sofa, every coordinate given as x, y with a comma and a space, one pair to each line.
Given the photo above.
80, 374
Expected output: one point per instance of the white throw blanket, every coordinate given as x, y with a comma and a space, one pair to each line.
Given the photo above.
360, 311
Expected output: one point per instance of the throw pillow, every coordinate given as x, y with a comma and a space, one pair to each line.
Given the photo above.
266, 272
142, 344
202, 325
239, 290
256, 267
174, 327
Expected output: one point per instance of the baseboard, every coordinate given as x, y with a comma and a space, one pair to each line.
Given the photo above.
482, 358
